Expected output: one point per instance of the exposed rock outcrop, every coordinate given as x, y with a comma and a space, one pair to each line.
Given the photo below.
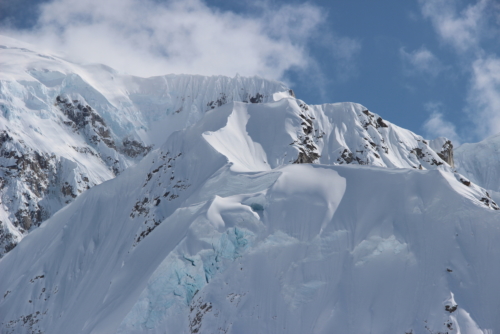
34, 184
444, 148
308, 149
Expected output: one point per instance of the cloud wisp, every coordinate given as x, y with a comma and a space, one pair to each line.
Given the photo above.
145, 37
484, 95
436, 126
467, 32
421, 62
460, 29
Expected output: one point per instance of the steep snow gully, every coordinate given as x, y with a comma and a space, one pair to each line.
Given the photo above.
262, 214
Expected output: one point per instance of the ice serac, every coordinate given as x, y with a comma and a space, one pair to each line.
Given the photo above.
480, 162
66, 127
224, 228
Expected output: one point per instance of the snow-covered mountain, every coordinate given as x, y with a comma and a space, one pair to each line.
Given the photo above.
65, 127
217, 230
262, 214
480, 162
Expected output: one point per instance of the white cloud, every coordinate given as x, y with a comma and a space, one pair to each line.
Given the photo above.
466, 31
146, 38
460, 29
484, 95
436, 126
421, 61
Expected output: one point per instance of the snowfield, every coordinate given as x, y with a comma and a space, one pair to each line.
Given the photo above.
268, 216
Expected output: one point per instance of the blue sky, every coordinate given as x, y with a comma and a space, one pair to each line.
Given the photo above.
432, 66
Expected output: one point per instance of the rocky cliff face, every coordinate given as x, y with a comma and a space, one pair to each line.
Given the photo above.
444, 148
348, 133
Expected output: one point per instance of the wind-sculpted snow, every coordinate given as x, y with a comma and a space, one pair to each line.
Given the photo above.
226, 229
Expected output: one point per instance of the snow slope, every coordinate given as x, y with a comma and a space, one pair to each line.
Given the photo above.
480, 162
66, 127
218, 231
